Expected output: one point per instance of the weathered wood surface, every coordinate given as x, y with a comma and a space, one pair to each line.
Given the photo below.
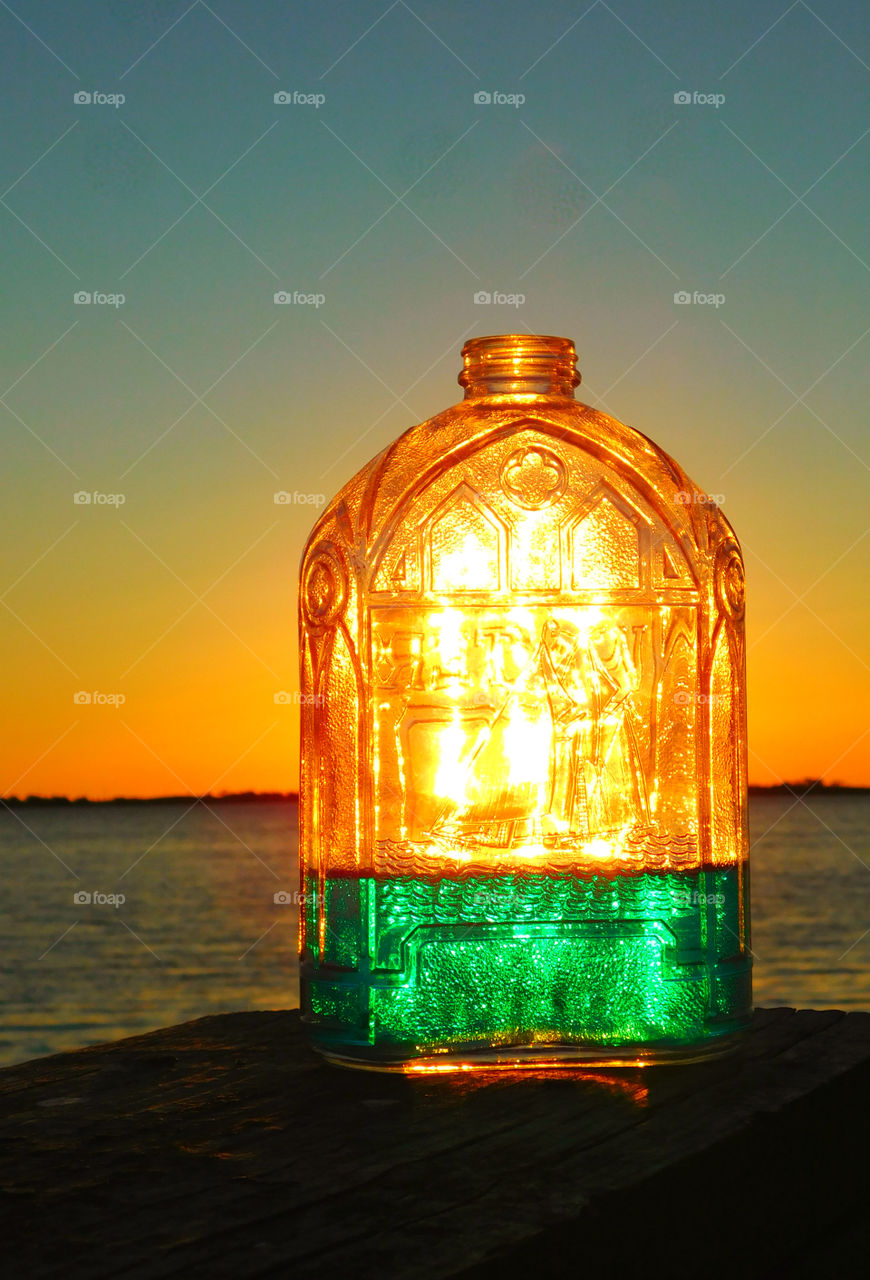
224, 1148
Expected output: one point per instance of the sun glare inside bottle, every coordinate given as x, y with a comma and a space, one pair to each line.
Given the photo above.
523, 831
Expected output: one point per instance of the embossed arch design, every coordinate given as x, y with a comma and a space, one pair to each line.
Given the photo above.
403, 562
605, 519
481, 562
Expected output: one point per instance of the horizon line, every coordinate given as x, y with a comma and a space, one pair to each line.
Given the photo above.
799, 787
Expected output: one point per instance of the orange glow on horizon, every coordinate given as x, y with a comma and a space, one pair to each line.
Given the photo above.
200, 713
235, 737
250, 743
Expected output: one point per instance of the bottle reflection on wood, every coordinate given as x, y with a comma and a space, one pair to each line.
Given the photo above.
523, 795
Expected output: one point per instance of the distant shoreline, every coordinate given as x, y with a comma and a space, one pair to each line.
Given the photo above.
796, 789
237, 797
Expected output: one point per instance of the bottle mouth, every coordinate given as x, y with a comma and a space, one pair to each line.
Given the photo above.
511, 364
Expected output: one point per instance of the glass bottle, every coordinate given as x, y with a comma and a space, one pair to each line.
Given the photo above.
523, 830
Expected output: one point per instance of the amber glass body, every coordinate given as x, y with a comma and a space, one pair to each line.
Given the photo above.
523, 827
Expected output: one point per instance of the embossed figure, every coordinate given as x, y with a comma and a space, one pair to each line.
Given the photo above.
502, 788
598, 785
558, 761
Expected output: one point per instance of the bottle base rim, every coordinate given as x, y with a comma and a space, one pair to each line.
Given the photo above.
541, 1058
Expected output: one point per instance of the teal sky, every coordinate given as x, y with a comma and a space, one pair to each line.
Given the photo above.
598, 199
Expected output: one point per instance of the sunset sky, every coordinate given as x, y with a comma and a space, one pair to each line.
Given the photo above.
396, 198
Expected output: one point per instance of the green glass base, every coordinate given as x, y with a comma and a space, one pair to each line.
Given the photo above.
512, 971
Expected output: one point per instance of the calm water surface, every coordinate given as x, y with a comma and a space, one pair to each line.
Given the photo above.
200, 931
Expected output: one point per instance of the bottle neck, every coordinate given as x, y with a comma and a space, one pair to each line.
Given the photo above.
515, 364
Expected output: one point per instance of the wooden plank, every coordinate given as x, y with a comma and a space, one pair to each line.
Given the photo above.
224, 1147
